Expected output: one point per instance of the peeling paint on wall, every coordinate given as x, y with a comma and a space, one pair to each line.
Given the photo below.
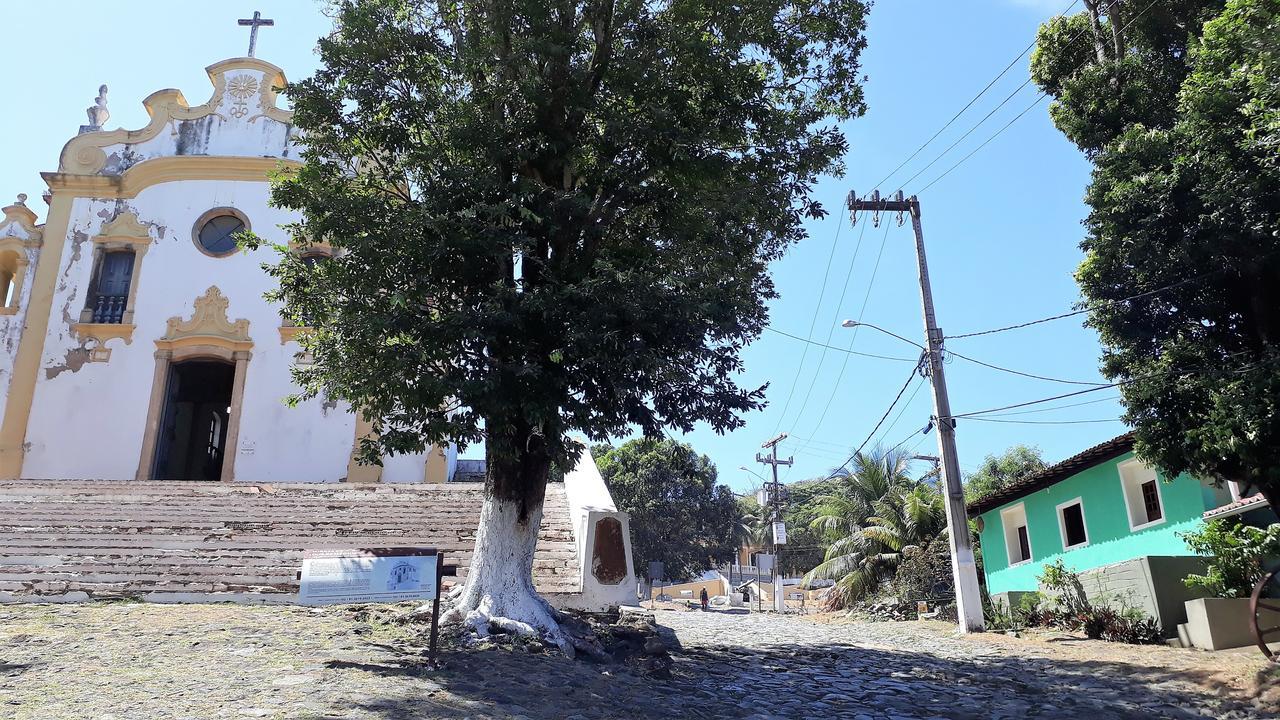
122, 160
75, 359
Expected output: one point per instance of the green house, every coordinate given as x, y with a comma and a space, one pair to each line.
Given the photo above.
1108, 516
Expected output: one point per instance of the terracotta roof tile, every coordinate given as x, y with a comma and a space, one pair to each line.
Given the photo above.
1100, 453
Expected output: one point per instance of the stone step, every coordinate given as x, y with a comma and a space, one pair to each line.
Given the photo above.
118, 539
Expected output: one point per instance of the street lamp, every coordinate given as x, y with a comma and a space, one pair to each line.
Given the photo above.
856, 323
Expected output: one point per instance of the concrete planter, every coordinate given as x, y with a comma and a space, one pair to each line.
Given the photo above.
1221, 623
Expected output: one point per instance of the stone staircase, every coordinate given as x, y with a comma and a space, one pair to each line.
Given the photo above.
197, 541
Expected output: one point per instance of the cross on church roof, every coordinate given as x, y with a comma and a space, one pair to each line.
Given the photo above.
255, 22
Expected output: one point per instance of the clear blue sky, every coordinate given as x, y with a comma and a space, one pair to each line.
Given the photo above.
1002, 229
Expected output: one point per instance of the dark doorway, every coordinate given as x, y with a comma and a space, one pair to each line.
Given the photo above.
193, 427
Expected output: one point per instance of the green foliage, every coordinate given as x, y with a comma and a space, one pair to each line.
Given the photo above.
998, 472
1000, 617
1179, 109
679, 515
1237, 556
925, 573
555, 217
751, 528
806, 544
1066, 586
1071, 609
877, 513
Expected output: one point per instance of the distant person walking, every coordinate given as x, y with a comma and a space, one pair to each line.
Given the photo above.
705, 600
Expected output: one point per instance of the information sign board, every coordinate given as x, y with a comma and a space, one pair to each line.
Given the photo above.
331, 577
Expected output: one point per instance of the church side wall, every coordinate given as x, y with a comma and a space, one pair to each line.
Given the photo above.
11, 327
87, 419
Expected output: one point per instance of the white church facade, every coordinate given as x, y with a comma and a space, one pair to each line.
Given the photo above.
137, 342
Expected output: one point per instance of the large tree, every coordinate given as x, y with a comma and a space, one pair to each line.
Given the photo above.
1178, 107
997, 472
679, 515
553, 216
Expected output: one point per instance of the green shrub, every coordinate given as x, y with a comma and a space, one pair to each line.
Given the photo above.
1099, 621
925, 573
1237, 556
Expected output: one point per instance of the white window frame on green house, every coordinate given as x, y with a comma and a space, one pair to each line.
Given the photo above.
1133, 475
1011, 533
1062, 523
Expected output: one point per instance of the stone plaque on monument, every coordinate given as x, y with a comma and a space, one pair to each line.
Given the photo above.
331, 577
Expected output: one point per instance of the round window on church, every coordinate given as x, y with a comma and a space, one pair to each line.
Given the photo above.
215, 231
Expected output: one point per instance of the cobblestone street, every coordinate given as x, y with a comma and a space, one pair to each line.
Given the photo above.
126, 661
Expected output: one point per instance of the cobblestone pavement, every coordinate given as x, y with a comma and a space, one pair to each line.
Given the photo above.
124, 661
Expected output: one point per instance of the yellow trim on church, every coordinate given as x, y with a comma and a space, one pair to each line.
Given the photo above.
84, 155
26, 365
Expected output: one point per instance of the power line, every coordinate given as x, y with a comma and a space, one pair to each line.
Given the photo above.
1043, 422
969, 132
969, 104
1062, 407
949, 352
797, 440
904, 440
1118, 383
1019, 326
838, 349
905, 406
866, 298
974, 151
813, 322
1036, 402
1103, 303
1024, 112
882, 417
839, 303
1019, 372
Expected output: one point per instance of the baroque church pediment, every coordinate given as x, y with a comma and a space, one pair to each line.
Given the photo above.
125, 228
208, 325
18, 228
240, 119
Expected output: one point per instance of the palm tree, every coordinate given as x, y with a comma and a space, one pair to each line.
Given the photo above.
752, 525
878, 513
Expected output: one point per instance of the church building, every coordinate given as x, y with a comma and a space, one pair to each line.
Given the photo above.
137, 341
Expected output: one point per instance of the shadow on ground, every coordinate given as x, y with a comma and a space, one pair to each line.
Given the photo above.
794, 680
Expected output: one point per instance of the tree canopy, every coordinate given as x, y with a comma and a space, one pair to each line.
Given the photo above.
679, 515
556, 216
997, 472
1177, 105
553, 217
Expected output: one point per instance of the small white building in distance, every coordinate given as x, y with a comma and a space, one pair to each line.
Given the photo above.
137, 344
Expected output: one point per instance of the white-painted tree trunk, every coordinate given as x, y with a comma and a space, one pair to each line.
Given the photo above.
498, 592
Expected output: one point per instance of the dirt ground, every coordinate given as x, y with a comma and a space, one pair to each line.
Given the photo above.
137, 661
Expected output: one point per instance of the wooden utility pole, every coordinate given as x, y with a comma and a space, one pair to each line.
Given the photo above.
964, 570
774, 490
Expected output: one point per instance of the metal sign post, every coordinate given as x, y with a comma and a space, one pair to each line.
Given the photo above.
435, 614
656, 570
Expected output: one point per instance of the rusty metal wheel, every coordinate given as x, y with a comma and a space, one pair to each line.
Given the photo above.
1264, 610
